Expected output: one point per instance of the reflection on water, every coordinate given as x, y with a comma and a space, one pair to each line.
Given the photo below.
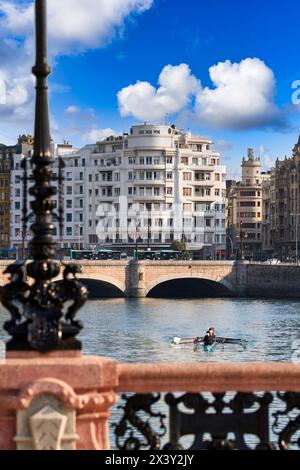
140, 330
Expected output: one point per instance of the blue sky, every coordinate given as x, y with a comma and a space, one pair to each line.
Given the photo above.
104, 50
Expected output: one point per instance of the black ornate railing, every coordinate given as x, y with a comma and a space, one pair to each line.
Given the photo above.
204, 421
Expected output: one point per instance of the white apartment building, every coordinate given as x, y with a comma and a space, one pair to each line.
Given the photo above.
172, 185
155, 185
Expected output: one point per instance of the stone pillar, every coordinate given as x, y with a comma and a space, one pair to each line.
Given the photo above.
135, 280
56, 401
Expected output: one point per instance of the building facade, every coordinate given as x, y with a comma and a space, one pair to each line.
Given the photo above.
161, 185
152, 186
245, 210
281, 232
8, 154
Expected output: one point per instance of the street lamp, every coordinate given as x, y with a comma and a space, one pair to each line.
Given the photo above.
43, 318
232, 248
241, 240
79, 234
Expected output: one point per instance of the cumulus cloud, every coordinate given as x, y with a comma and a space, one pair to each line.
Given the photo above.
72, 110
97, 135
243, 96
146, 103
74, 26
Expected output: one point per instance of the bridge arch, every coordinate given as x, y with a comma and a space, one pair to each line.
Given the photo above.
189, 286
103, 287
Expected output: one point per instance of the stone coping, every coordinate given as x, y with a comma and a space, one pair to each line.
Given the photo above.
80, 372
208, 377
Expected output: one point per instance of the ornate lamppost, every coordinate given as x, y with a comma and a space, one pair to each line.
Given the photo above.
40, 319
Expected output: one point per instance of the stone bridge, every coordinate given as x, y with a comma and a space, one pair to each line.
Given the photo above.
193, 278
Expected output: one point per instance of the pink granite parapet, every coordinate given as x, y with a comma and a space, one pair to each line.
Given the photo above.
208, 377
81, 384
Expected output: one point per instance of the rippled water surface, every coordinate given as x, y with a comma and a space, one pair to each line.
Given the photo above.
140, 330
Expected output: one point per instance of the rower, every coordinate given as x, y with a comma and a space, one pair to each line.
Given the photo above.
210, 337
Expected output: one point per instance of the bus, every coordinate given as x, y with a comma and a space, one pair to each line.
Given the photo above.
8, 253
102, 254
158, 255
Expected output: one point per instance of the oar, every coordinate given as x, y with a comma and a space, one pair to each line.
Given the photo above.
177, 340
231, 340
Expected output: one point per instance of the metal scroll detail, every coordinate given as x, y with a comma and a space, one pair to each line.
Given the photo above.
218, 421
245, 413
140, 432
287, 421
42, 313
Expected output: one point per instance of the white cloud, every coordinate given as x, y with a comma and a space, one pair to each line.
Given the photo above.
146, 103
243, 96
72, 110
99, 134
74, 26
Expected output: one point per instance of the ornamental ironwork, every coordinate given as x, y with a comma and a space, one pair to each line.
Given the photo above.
42, 311
216, 421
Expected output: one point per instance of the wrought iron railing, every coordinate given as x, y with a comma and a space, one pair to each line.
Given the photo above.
215, 417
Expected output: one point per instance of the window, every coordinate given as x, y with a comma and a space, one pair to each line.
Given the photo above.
248, 193
83, 162
169, 160
80, 217
195, 161
76, 162
207, 222
17, 219
187, 176
169, 191
117, 191
69, 190
81, 190
187, 207
17, 179
187, 191
148, 160
17, 192
217, 192
184, 160
69, 217
156, 160
69, 231
156, 191
142, 161
217, 176
247, 203
169, 175
17, 206
90, 178
81, 176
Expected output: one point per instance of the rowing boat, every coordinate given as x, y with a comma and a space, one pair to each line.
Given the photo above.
209, 347
196, 340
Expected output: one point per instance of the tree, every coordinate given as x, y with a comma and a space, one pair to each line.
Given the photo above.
180, 246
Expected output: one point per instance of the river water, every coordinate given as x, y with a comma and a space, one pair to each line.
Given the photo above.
140, 330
